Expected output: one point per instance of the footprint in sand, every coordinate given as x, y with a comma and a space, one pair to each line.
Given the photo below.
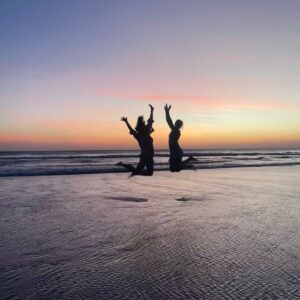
190, 198
128, 199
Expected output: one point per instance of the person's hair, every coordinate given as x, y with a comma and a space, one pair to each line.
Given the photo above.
140, 125
178, 124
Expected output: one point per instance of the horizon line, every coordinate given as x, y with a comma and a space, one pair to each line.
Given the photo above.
166, 149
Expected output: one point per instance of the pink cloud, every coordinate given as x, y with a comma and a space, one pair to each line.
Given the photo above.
205, 102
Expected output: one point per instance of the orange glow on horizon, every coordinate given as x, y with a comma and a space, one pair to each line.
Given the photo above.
117, 137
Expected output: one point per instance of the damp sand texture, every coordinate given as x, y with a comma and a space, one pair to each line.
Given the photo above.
210, 234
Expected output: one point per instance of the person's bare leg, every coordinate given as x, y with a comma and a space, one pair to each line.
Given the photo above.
150, 167
140, 171
189, 159
192, 158
185, 164
129, 167
139, 168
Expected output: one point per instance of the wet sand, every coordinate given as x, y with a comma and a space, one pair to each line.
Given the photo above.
210, 234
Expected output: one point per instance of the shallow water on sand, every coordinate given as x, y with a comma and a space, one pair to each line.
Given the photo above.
211, 234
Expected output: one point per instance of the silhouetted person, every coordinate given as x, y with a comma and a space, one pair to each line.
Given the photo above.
176, 153
142, 133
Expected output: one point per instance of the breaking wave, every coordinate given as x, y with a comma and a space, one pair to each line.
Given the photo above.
93, 162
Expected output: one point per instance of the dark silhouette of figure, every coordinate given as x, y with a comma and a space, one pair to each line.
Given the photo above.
176, 153
142, 133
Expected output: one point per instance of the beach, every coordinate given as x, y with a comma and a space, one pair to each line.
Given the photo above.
206, 234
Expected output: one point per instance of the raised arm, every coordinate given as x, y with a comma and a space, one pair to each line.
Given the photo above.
131, 130
168, 117
150, 120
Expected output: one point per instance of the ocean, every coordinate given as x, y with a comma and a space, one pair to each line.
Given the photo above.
37, 163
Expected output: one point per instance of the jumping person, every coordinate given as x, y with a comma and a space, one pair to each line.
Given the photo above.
142, 133
176, 153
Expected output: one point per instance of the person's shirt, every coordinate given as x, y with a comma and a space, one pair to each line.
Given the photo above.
174, 138
145, 141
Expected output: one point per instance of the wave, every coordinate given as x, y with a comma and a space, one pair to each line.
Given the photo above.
134, 154
94, 162
163, 167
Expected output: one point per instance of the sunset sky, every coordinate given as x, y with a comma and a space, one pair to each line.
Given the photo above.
70, 69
